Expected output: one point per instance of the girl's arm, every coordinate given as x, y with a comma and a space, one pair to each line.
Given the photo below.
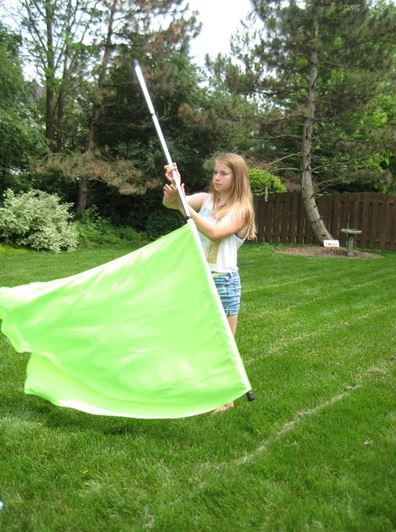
225, 227
171, 198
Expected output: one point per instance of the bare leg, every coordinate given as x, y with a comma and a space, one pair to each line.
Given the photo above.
232, 320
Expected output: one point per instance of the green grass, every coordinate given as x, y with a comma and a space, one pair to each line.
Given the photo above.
315, 451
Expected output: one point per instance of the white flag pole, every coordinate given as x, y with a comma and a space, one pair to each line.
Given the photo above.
146, 94
176, 178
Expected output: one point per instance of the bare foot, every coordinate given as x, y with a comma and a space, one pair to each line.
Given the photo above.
223, 408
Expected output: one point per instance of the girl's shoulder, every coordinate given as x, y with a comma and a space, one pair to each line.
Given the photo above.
207, 201
199, 200
204, 196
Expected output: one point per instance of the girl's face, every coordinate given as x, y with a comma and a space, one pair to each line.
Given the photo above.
222, 178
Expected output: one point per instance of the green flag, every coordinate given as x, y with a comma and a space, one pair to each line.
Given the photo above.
141, 336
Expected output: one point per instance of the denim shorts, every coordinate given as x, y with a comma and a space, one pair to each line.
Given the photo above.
229, 288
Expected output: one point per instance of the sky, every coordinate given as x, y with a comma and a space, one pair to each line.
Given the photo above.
220, 19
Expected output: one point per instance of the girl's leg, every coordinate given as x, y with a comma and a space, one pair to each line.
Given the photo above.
229, 289
232, 320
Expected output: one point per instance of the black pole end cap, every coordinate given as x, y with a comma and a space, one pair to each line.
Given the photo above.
250, 396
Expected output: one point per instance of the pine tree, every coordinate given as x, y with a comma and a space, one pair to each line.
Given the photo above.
318, 66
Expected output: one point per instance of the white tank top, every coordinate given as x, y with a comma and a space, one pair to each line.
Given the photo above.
221, 254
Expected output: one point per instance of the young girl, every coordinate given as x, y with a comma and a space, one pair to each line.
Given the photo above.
224, 217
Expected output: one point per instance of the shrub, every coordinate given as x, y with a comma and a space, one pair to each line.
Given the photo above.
37, 220
262, 182
161, 221
95, 230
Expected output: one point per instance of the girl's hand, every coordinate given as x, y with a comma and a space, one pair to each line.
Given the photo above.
169, 170
171, 197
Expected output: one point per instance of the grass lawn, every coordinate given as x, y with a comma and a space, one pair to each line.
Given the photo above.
315, 451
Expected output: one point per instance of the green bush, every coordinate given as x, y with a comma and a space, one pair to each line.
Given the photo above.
262, 182
162, 221
95, 231
37, 220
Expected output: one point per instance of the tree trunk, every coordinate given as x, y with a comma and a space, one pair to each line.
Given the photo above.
97, 108
82, 195
60, 137
308, 195
50, 79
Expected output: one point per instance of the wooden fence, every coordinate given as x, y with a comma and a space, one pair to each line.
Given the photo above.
282, 218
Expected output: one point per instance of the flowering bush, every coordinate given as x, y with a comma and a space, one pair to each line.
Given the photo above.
37, 220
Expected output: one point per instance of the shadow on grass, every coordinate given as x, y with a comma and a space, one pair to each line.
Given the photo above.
34, 410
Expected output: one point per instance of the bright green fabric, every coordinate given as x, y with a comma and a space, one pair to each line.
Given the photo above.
141, 336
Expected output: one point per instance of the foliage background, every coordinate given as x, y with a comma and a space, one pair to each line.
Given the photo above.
81, 129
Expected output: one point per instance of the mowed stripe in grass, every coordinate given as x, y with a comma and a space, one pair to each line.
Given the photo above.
314, 451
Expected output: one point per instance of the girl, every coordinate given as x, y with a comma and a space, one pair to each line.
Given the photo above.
224, 217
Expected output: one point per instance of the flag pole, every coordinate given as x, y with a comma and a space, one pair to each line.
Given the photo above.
176, 179
175, 175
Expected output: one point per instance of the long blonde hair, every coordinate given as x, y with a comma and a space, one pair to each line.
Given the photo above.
240, 200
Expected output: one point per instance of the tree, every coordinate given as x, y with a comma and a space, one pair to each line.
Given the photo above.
60, 36
307, 189
75, 69
20, 136
136, 29
125, 128
96, 110
197, 120
317, 66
